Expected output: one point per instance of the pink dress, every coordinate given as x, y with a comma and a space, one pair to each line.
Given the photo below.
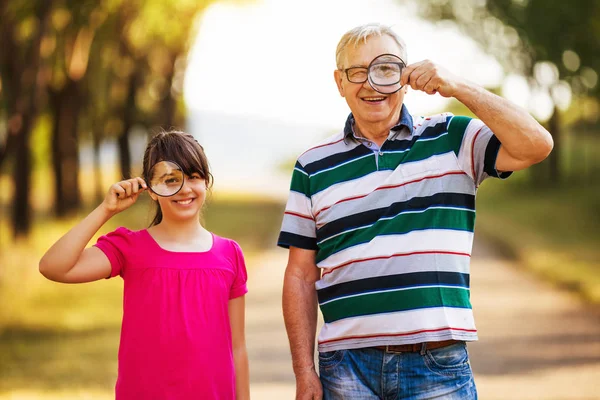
175, 336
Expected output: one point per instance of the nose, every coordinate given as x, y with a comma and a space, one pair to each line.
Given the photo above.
186, 186
367, 86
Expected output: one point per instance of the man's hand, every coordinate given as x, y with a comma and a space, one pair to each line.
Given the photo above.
430, 78
308, 386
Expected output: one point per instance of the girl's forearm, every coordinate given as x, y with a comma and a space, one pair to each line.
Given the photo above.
242, 373
65, 253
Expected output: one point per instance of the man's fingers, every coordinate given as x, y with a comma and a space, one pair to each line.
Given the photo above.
407, 72
431, 86
424, 79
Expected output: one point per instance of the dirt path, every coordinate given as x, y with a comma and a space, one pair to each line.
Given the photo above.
536, 342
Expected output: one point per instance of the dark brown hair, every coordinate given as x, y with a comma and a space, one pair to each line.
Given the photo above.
183, 149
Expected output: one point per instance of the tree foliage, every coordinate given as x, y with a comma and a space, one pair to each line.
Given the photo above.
554, 43
524, 33
96, 68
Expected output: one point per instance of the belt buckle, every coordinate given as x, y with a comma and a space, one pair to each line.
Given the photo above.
388, 350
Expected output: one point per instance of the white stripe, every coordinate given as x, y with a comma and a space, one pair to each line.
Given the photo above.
401, 264
327, 147
399, 322
394, 216
386, 245
419, 140
342, 164
432, 166
394, 290
299, 170
299, 203
383, 198
432, 138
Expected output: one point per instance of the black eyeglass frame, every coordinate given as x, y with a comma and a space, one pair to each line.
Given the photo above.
401, 64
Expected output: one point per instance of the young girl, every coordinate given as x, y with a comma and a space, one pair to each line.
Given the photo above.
182, 335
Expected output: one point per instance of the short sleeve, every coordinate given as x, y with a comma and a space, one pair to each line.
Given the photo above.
239, 286
476, 148
114, 245
298, 228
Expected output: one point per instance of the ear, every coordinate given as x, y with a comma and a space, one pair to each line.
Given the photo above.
339, 76
152, 195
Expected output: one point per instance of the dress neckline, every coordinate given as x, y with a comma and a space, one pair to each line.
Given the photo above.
212, 245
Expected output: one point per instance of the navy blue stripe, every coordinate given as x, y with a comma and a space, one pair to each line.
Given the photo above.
491, 154
359, 151
336, 159
430, 132
413, 279
287, 240
459, 200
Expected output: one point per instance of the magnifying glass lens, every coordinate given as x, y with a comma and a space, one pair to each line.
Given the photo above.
385, 72
166, 178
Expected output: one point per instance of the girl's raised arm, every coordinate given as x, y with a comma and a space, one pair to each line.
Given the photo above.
68, 260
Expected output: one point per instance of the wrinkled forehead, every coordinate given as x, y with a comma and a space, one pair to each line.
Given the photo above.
363, 52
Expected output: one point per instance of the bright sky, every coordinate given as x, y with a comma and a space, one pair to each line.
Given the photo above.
275, 58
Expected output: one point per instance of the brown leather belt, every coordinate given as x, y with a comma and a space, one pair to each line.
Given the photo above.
416, 347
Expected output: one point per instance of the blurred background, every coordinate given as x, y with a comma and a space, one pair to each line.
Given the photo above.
84, 83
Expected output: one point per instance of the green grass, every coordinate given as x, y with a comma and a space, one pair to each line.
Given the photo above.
60, 341
553, 231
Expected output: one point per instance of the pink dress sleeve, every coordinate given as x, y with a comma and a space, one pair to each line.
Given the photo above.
114, 245
239, 287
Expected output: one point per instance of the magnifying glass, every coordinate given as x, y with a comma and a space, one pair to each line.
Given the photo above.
165, 178
384, 73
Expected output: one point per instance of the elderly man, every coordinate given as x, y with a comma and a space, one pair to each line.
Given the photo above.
379, 226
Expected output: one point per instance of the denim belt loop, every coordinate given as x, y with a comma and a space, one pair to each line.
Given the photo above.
423, 348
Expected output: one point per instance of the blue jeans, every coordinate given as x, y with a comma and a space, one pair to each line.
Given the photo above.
370, 373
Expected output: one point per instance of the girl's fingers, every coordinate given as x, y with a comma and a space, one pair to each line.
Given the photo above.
141, 182
129, 187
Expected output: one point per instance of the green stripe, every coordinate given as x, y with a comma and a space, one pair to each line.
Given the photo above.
300, 183
463, 220
401, 300
421, 150
353, 170
456, 132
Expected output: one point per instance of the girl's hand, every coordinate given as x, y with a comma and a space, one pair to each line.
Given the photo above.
123, 194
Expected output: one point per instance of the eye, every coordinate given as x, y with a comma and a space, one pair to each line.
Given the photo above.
195, 175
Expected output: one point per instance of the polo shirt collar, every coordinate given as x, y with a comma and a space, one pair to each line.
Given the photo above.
405, 120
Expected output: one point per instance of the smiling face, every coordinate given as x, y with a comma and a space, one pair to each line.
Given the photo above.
368, 106
191, 164
187, 203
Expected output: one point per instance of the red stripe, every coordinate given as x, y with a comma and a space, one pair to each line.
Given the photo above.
397, 334
299, 215
359, 260
322, 145
390, 187
473, 155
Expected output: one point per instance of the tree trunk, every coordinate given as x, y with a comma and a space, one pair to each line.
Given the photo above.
554, 158
129, 114
24, 90
99, 188
65, 149
21, 211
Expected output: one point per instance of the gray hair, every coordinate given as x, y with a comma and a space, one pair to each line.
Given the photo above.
361, 33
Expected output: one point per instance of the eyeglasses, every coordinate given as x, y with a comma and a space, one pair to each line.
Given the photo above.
383, 73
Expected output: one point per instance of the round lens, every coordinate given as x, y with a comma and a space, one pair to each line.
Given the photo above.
385, 72
166, 178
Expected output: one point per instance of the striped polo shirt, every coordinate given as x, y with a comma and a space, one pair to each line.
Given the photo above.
392, 229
